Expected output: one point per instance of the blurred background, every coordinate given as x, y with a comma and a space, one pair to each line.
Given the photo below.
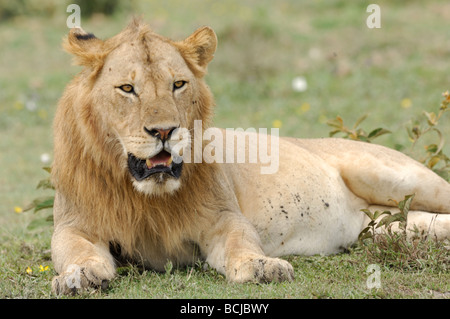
291, 64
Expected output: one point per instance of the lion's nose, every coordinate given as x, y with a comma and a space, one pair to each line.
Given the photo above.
162, 133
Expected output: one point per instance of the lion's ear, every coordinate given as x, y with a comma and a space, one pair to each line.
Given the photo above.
198, 49
86, 48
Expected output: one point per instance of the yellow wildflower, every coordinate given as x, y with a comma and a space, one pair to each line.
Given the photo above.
305, 107
446, 95
18, 209
41, 268
18, 105
43, 114
29, 271
277, 124
406, 103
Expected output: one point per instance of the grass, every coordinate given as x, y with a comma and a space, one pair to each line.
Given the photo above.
317, 277
393, 74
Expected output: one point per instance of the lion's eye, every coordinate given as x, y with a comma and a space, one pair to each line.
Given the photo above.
178, 84
127, 88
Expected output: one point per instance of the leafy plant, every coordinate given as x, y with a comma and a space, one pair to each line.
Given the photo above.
45, 201
41, 203
387, 221
355, 133
419, 132
395, 249
434, 157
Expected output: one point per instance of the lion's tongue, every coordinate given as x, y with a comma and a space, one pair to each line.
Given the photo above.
163, 158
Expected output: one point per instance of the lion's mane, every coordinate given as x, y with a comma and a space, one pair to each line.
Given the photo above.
90, 172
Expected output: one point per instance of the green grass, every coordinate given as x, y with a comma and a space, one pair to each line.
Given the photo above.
350, 70
340, 276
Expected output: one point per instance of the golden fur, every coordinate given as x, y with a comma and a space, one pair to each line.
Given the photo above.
83, 148
229, 215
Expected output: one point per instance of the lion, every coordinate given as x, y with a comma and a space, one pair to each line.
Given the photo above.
127, 192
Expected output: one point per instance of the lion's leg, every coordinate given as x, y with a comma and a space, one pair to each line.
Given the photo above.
431, 225
435, 226
79, 262
378, 174
378, 183
232, 246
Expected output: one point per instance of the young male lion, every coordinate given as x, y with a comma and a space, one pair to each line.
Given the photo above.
124, 190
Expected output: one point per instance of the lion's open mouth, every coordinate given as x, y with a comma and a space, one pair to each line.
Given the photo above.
160, 163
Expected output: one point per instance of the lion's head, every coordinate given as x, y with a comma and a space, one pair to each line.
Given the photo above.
137, 96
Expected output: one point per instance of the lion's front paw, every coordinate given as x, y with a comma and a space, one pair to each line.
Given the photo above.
261, 269
78, 277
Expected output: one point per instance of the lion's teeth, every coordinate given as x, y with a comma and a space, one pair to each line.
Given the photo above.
151, 164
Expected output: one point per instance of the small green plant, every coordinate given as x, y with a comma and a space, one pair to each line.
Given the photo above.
419, 133
434, 157
394, 248
355, 133
41, 203
381, 244
370, 232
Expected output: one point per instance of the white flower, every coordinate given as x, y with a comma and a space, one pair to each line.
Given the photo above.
31, 105
299, 84
45, 158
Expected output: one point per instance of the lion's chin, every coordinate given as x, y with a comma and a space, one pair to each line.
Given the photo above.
154, 186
